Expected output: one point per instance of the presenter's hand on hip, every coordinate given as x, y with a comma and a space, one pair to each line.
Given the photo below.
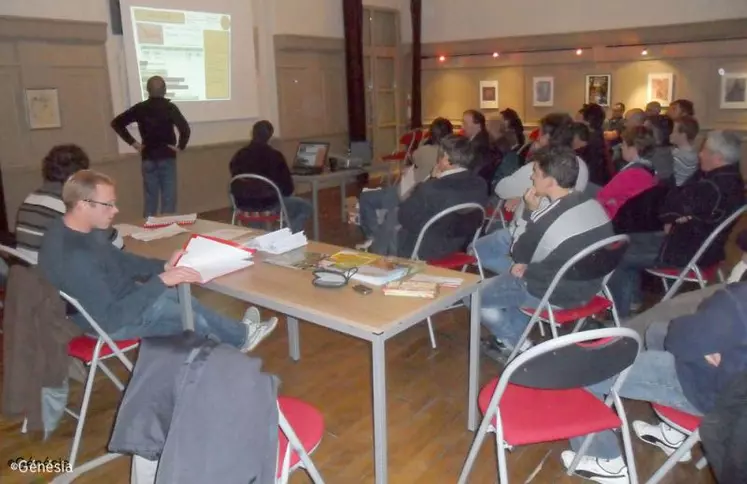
138, 147
180, 275
174, 148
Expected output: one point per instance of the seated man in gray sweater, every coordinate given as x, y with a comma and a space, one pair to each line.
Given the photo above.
554, 234
127, 295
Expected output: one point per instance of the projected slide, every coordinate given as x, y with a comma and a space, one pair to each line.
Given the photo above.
190, 50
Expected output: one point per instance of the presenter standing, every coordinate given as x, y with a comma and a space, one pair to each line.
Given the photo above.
156, 118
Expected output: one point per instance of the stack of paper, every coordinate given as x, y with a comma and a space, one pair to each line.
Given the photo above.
425, 290
278, 242
441, 281
187, 219
214, 257
161, 233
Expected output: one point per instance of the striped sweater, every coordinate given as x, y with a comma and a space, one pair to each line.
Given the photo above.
36, 213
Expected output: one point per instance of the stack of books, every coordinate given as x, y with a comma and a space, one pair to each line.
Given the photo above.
410, 288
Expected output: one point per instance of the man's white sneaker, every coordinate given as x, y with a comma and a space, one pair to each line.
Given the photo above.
604, 471
256, 329
663, 436
364, 246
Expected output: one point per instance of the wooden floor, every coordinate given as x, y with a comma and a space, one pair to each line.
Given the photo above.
428, 438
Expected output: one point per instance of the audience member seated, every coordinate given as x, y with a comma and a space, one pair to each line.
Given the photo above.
127, 295
616, 121
595, 151
686, 129
485, 158
512, 122
633, 118
45, 205
581, 134
653, 108
505, 148
554, 234
689, 213
635, 177
424, 161
259, 158
452, 184
661, 159
679, 108
687, 363
494, 249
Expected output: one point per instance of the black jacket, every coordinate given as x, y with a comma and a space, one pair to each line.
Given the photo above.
595, 156
450, 234
723, 431
264, 160
709, 198
156, 119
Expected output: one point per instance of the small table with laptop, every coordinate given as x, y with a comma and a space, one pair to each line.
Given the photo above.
315, 165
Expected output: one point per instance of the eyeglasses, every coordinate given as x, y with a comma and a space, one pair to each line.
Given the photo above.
111, 205
330, 278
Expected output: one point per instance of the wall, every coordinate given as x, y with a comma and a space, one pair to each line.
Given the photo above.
447, 20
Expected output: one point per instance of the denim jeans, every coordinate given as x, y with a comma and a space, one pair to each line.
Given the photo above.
299, 211
373, 200
159, 181
164, 318
385, 238
494, 251
625, 283
501, 298
652, 378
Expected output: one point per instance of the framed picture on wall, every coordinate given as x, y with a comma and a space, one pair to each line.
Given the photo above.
734, 91
660, 88
598, 89
43, 108
543, 92
488, 94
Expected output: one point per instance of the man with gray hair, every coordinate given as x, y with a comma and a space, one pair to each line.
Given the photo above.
689, 214
156, 118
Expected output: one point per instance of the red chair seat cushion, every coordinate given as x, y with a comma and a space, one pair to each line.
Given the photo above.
596, 305
266, 216
454, 261
709, 273
507, 216
81, 347
530, 415
683, 419
308, 424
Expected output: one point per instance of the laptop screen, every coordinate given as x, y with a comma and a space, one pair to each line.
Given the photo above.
311, 153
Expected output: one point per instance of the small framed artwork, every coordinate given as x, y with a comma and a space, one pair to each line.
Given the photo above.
598, 89
43, 108
660, 88
543, 89
488, 94
734, 91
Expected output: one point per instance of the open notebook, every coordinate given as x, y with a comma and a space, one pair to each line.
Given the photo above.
213, 257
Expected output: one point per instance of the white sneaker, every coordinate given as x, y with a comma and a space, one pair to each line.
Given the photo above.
364, 246
663, 436
604, 471
256, 329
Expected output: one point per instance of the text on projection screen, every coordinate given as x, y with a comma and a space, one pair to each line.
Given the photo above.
190, 50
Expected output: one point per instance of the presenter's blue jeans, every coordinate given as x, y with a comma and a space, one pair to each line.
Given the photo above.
164, 318
159, 182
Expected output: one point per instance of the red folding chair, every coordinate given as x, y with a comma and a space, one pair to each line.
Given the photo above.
599, 260
693, 271
267, 217
683, 422
92, 351
457, 260
301, 428
541, 396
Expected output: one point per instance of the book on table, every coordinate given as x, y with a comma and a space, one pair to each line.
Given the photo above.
371, 268
213, 257
410, 288
156, 222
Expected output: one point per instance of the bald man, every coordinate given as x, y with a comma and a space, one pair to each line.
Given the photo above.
156, 118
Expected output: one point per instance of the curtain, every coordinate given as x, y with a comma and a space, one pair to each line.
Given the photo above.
352, 11
416, 120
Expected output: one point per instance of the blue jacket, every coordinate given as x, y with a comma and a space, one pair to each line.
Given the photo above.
718, 326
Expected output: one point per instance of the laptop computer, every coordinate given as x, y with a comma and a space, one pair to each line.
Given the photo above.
311, 156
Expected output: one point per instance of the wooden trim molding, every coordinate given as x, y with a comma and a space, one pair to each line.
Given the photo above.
303, 42
22, 28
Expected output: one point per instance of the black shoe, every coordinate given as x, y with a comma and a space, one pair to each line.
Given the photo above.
495, 350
